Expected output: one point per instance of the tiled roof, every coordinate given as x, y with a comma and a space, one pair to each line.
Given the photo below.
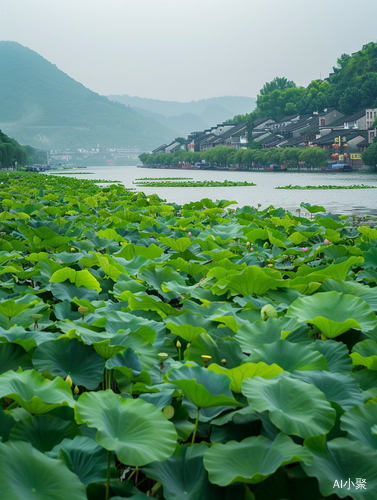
261, 120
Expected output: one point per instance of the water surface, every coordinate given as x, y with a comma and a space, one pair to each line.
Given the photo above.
349, 201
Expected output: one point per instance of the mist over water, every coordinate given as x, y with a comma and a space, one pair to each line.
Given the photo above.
347, 201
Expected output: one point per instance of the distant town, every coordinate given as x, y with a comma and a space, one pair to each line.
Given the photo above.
344, 138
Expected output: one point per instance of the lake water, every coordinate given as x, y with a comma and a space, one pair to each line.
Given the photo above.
358, 201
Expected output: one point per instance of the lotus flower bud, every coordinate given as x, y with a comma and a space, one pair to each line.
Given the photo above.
268, 311
266, 245
73, 250
223, 361
68, 381
76, 390
36, 318
178, 344
188, 345
206, 358
189, 233
83, 310
148, 200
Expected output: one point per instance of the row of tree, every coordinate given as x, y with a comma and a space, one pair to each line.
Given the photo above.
223, 156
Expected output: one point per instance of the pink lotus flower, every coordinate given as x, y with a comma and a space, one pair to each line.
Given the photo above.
60, 262
189, 233
326, 242
304, 249
251, 249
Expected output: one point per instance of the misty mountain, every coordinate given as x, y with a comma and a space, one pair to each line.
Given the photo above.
42, 106
180, 115
183, 124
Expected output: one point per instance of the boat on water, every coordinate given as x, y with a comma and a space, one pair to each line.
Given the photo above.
275, 168
337, 167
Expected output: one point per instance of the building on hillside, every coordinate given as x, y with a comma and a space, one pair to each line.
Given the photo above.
160, 149
173, 147
262, 123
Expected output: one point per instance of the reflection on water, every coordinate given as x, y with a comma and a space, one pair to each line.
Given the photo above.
350, 201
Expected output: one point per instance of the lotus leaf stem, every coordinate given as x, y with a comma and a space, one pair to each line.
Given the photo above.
195, 428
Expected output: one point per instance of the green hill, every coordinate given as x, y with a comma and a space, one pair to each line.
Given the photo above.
42, 106
351, 87
11, 151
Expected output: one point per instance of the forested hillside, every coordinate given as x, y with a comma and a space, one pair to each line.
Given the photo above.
42, 106
11, 151
351, 87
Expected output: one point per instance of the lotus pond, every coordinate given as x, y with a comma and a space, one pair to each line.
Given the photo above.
182, 351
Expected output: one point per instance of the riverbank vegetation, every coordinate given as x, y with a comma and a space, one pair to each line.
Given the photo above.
223, 156
225, 183
182, 351
327, 186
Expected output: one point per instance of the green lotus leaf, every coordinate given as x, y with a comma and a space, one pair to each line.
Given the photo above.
83, 456
337, 387
64, 357
203, 387
135, 430
335, 353
261, 332
128, 363
219, 350
289, 356
12, 357
351, 288
342, 460
10, 308
251, 281
251, 460
78, 278
20, 311
294, 407
187, 325
44, 432
365, 354
6, 424
246, 370
313, 209
69, 291
179, 245
130, 250
333, 313
110, 234
183, 476
35, 393
56, 483
25, 338
156, 277
114, 321
148, 303
358, 422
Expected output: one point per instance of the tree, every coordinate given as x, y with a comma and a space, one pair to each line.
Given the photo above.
276, 84
369, 156
313, 156
181, 140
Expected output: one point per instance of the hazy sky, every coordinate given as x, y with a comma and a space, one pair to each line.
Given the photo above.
189, 49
